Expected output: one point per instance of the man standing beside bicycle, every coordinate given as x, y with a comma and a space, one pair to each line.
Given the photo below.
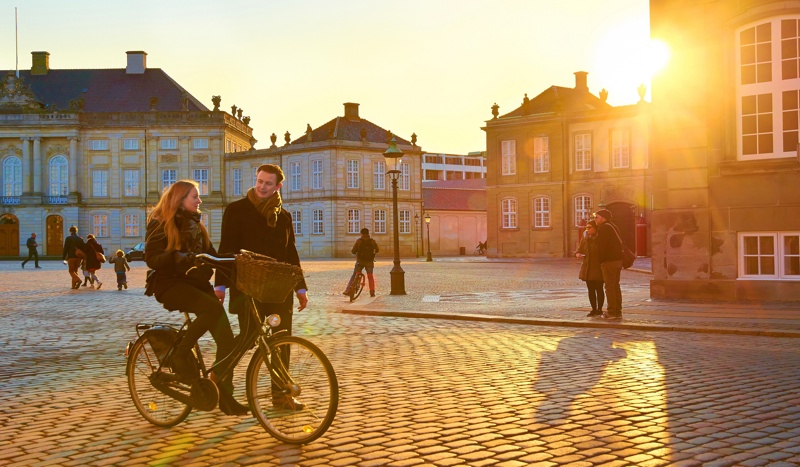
259, 223
365, 249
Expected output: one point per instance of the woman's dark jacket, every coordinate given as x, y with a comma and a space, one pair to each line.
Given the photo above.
167, 264
590, 268
91, 248
244, 228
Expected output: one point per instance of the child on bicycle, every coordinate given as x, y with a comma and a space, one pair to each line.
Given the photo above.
364, 249
175, 234
120, 266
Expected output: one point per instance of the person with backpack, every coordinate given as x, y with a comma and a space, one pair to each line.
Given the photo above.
364, 249
609, 249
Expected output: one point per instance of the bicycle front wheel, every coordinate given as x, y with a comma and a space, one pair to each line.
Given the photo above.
294, 393
155, 406
358, 287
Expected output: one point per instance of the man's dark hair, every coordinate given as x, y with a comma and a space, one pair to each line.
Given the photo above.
272, 169
73, 229
365, 231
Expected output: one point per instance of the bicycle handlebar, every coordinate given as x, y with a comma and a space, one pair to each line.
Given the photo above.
204, 258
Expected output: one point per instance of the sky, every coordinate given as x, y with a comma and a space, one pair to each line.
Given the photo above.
430, 67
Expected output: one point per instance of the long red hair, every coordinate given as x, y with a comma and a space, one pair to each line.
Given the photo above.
169, 204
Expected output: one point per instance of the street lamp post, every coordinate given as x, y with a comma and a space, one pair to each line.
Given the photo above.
416, 234
393, 156
428, 224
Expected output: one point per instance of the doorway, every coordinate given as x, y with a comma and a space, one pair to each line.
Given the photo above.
55, 236
9, 235
624, 217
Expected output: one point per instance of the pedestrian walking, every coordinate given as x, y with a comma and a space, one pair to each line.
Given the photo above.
73, 255
609, 249
120, 266
32, 251
94, 258
87, 277
590, 272
365, 249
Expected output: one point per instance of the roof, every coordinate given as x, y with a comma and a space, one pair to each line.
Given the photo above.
108, 90
348, 129
557, 99
455, 195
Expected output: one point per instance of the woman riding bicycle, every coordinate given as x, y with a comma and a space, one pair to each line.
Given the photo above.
175, 234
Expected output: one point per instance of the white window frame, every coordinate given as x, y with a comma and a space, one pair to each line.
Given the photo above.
353, 176
353, 221
777, 257
98, 145
297, 222
541, 154
168, 178
541, 212
379, 222
620, 148
199, 143
99, 183
509, 213
130, 179
582, 208
237, 182
508, 152
201, 177
379, 175
130, 144
12, 176
405, 176
130, 225
100, 225
583, 151
59, 176
767, 116
317, 171
294, 176
404, 221
169, 143
317, 222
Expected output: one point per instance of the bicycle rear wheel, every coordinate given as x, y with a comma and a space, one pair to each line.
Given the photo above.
310, 380
358, 287
155, 406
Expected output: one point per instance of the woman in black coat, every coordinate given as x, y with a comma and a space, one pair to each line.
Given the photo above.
91, 248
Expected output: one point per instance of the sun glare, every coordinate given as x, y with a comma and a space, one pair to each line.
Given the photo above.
658, 56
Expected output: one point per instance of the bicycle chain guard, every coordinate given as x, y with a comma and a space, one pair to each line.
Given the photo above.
204, 395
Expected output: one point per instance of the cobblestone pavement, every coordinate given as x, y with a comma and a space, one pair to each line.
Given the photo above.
415, 391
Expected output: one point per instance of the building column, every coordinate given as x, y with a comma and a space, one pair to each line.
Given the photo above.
27, 163
73, 165
37, 165
183, 158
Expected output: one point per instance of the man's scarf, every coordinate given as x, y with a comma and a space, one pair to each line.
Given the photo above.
269, 208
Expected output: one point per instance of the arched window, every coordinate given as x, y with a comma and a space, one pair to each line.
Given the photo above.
508, 208
12, 176
583, 208
59, 176
541, 212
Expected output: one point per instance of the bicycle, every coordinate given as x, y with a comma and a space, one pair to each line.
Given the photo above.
358, 280
281, 367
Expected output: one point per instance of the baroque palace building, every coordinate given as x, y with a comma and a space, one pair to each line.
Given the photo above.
555, 160
337, 183
96, 147
726, 220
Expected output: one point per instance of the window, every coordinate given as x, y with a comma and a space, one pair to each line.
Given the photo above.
168, 177
379, 224
353, 221
404, 221
131, 225
769, 255
316, 174
99, 183
255, 175
297, 222
379, 175
130, 144
620, 149
541, 212
294, 176
100, 225
352, 174
59, 180
131, 180
583, 208
583, 151
201, 177
541, 154
99, 145
12, 176
768, 66
169, 143
508, 208
405, 176
200, 143
509, 156
317, 226
237, 182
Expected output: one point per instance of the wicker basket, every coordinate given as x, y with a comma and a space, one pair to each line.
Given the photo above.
264, 278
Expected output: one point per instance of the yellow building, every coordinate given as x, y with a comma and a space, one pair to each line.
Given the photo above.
337, 183
95, 147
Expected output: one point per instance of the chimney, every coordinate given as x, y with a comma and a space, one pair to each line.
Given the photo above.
580, 81
351, 111
137, 63
40, 63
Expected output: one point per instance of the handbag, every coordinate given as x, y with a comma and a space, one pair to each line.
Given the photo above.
627, 255
100, 256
